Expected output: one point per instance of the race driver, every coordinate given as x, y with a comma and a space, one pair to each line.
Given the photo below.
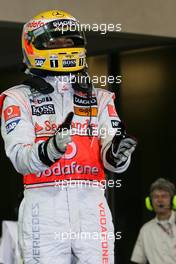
59, 129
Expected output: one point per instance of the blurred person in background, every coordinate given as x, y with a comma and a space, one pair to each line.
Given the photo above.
51, 126
156, 242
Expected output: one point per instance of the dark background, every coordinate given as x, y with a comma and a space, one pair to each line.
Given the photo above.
146, 103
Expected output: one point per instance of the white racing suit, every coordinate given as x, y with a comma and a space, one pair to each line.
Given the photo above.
61, 220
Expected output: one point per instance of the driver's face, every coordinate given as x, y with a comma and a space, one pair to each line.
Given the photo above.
59, 43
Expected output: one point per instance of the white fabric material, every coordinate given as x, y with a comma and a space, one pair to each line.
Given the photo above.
9, 252
154, 244
60, 223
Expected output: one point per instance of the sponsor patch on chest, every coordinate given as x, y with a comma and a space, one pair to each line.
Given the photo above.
80, 111
46, 109
81, 101
41, 100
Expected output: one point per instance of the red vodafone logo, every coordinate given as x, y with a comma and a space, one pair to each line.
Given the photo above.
35, 24
71, 151
11, 112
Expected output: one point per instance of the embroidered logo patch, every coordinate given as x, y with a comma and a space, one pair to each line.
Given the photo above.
11, 126
86, 111
11, 112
